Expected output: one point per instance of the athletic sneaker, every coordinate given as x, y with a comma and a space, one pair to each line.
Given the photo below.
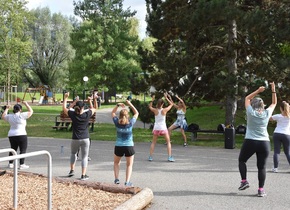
117, 181
275, 170
89, 159
150, 158
261, 193
129, 184
84, 177
185, 144
10, 165
171, 159
244, 185
71, 173
23, 166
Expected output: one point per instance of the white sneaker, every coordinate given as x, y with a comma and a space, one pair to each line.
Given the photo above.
23, 166
10, 165
275, 170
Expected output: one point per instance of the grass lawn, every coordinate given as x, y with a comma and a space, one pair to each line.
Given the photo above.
207, 117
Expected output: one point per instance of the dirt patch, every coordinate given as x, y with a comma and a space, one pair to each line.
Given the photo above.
66, 194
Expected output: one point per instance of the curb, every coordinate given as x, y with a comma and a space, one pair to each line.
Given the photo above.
138, 201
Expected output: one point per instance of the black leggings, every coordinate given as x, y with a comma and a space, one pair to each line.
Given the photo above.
18, 141
279, 139
262, 150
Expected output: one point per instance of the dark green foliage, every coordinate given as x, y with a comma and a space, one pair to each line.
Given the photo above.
145, 115
216, 50
106, 46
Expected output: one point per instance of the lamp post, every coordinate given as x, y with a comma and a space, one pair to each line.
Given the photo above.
85, 79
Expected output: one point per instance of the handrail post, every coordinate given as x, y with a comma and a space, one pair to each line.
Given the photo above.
49, 173
15, 172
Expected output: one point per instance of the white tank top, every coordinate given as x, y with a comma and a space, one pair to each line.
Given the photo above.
160, 121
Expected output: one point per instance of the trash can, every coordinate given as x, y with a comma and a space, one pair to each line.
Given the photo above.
230, 138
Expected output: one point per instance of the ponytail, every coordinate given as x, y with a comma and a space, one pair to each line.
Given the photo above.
285, 108
124, 117
160, 103
77, 110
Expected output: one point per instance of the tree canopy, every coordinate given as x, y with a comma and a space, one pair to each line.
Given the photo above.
15, 44
106, 45
217, 50
51, 49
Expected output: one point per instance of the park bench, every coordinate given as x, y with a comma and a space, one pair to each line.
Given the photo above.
63, 122
241, 129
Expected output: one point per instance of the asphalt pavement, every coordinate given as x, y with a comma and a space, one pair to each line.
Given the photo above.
200, 178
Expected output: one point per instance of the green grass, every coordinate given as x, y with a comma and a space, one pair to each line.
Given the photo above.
207, 117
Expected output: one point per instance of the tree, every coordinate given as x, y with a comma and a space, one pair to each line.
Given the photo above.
217, 49
15, 44
106, 45
51, 49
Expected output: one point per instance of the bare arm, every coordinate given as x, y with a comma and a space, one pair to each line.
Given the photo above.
5, 112
30, 110
169, 98
252, 95
73, 103
91, 106
182, 102
274, 96
113, 113
166, 109
64, 104
135, 111
155, 111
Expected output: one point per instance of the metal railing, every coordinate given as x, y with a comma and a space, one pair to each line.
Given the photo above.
31, 154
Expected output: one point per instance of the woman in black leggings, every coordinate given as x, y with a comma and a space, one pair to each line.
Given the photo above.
281, 134
257, 138
17, 133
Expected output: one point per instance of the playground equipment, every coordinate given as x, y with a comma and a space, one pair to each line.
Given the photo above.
46, 94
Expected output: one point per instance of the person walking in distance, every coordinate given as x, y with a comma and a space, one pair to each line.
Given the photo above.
124, 145
160, 128
17, 134
281, 135
80, 133
257, 139
181, 120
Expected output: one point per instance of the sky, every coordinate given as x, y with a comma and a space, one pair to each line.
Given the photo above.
66, 8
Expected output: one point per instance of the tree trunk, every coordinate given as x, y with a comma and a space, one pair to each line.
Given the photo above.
231, 100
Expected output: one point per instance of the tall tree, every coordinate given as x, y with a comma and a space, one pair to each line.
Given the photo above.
106, 45
51, 49
217, 49
15, 45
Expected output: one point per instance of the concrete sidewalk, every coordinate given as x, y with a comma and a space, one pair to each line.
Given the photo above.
200, 178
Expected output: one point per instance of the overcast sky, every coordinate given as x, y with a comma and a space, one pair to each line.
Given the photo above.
66, 7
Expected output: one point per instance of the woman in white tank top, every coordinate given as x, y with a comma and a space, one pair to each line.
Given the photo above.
160, 128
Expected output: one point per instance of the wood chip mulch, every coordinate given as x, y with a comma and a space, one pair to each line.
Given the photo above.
66, 194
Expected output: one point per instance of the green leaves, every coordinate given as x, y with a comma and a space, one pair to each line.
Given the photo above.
106, 45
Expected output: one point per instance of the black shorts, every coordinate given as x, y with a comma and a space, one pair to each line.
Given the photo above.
121, 151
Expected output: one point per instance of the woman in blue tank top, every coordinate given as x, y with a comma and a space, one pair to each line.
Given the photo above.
124, 145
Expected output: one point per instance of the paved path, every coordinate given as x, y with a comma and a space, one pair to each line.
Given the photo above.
200, 178
104, 116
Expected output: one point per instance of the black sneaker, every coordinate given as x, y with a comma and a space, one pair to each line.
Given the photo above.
84, 177
261, 193
244, 185
71, 173
117, 181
